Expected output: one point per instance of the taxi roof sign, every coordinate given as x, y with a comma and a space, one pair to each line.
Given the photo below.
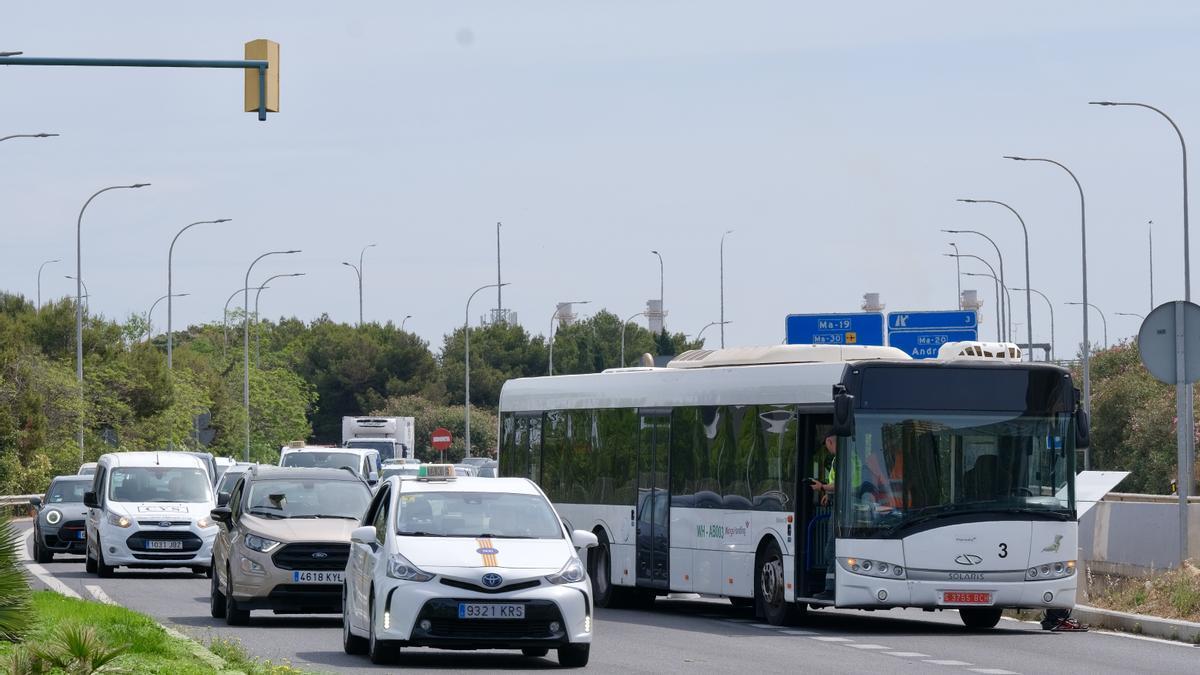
436, 471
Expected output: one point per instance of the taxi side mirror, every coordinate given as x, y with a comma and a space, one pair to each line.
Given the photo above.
363, 535
584, 539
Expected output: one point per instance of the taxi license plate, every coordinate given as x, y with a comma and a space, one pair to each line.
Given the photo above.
480, 610
966, 598
163, 544
314, 577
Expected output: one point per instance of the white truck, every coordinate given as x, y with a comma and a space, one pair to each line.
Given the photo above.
393, 437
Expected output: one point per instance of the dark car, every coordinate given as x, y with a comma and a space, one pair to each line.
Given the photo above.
59, 527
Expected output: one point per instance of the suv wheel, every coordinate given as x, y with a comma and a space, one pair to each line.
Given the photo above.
351, 643
216, 599
234, 615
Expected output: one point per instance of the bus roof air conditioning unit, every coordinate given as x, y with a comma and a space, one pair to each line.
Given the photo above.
974, 349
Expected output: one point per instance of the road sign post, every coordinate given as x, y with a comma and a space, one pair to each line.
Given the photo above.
1167, 344
864, 328
921, 334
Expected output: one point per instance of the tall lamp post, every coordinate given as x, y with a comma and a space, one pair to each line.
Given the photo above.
1049, 305
258, 331
1005, 310
5, 138
150, 314
662, 307
623, 324
1103, 319
957, 275
86, 293
1087, 360
999, 284
79, 294
700, 335
358, 270
723, 321
467, 363
170, 257
1028, 300
246, 343
553, 322
404, 321
39, 282
225, 319
999, 319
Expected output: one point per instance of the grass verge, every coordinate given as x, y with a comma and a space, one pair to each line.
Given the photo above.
237, 659
1174, 594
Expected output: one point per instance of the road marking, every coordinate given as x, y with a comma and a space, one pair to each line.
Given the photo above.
992, 671
51, 582
762, 625
947, 662
25, 545
99, 594
797, 632
908, 655
832, 639
858, 646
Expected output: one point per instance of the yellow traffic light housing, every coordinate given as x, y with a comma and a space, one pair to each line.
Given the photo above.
262, 50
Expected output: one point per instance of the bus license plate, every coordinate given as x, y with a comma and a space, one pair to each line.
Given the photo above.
164, 545
315, 577
966, 598
479, 610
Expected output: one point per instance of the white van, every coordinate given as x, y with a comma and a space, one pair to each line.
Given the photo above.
364, 462
150, 509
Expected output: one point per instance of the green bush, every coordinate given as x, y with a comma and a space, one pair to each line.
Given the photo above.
14, 588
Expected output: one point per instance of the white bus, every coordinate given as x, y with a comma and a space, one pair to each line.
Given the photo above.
953, 482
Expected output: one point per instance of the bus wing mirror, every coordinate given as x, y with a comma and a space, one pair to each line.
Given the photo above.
1083, 429
843, 412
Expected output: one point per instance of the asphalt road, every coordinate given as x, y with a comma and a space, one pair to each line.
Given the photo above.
695, 635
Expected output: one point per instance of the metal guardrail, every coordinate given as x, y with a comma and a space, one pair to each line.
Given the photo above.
1152, 499
16, 500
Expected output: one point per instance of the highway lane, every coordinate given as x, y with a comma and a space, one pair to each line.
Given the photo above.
679, 634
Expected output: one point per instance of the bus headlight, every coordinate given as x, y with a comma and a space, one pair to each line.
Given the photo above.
1054, 570
872, 568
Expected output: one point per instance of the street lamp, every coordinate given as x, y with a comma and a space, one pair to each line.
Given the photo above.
662, 308
358, 271
5, 138
150, 314
1005, 310
700, 335
999, 320
86, 293
257, 330
403, 321
246, 342
1025, 231
79, 295
553, 319
467, 362
1133, 314
1102, 319
999, 286
170, 256
723, 321
957, 275
623, 324
1051, 306
39, 282
225, 319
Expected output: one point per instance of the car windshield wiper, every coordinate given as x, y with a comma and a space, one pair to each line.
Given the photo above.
507, 536
324, 515
419, 533
264, 514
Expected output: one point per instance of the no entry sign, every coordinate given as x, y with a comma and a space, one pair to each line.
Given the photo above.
441, 439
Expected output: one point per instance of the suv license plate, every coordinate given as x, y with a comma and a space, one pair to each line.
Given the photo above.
164, 545
481, 610
966, 598
313, 577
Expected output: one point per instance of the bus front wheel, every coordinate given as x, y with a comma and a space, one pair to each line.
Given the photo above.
769, 588
600, 571
982, 617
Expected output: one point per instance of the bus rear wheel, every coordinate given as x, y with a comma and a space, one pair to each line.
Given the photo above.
980, 617
770, 582
600, 571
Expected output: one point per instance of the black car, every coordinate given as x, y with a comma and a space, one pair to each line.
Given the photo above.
59, 527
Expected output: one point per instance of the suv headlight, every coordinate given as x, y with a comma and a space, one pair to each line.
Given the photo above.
872, 568
399, 567
571, 573
119, 521
1054, 570
53, 516
260, 544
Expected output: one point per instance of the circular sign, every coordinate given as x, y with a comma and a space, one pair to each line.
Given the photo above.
441, 439
1169, 339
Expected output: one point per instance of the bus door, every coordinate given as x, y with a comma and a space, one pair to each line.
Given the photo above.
814, 521
653, 499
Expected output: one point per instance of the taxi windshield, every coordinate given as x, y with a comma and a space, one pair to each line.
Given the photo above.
500, 515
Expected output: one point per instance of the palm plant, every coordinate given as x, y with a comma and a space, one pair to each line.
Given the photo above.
14, 587
79, 650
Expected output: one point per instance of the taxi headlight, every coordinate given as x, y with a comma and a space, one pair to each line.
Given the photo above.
399, 567
53, 516
260, 544
571, 573
119, 521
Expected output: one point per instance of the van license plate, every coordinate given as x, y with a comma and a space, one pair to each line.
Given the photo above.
966, 598
164, 545
315, 577
481, 610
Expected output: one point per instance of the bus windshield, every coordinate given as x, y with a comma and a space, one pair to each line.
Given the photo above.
903, 468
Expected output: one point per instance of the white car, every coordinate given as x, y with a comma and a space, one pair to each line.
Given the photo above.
466, 563
364, 462
149, 509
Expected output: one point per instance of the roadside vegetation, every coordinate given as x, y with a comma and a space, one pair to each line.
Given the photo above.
1174, 594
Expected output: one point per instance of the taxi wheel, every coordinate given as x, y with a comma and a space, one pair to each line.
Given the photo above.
234, 615
574, 656
351, 643
103, 571
535, 651
216, 599
381, 652
980, 617
89, 563
770, 581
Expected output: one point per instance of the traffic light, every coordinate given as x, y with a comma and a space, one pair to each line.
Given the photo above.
263, 50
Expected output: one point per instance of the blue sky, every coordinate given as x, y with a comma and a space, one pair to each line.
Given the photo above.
832, 140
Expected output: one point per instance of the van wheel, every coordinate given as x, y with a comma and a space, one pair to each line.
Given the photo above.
103, 571
769, 588
381, 652
980, 617
600, 571
216, 599
234, 615
89, 563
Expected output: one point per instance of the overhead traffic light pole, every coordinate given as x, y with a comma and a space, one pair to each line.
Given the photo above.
262, 86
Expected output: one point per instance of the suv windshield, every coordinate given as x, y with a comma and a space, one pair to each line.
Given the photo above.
477, 514
67, 491
902, 468
324, 460
159, 484
298, 498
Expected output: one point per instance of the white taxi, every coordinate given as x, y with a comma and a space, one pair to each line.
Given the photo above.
466, 563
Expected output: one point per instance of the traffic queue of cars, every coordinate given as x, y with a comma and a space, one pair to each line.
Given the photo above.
431, 555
